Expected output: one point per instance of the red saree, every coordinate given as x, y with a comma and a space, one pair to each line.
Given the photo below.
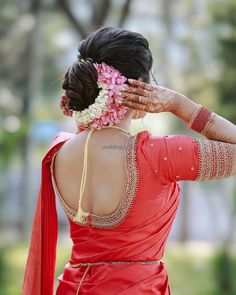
40, 266
136, 231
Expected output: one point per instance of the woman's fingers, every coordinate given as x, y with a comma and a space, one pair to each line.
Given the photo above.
155, 99
145, 97
150, 108
139, 84
139, 91
135, 105
136, 98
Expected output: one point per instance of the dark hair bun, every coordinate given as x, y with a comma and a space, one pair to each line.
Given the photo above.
80, 84
126, 51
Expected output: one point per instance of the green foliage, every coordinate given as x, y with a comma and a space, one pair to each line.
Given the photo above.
12, 265
10, 141
224, 21
2, 270
190, 274
225, 273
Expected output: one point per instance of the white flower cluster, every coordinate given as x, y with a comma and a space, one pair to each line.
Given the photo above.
96, 109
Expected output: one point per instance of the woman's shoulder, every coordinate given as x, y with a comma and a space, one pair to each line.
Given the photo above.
162, 144
59, 139
62, 136
146, 137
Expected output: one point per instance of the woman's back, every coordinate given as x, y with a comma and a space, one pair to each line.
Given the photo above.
106, 172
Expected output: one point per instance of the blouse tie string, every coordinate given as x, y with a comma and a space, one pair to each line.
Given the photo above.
80, 213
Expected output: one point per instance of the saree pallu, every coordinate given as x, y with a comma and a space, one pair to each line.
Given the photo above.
136, 231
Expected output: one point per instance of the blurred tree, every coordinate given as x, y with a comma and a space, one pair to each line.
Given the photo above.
100, 11
32, 80
224, 27
14, 74
27, 65
170, 39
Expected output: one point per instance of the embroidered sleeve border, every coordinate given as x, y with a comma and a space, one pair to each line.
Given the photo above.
215, 159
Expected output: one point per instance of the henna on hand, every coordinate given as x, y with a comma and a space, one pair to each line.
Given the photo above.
148, 98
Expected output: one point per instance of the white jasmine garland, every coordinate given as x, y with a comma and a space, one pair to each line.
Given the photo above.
96, 109
105, 110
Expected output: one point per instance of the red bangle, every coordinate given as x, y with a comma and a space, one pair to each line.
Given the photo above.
193, 117
201, 119
208, 124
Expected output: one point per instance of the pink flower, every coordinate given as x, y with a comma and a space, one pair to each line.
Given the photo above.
114, 81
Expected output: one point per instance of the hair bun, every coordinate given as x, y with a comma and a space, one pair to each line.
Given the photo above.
80, 84
126, 51
86, 59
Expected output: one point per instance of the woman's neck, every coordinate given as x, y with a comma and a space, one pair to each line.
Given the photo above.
124, 124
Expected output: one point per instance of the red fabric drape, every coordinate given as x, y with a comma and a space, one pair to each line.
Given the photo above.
41, 261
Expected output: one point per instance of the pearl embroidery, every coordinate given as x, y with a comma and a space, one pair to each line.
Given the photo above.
151, 145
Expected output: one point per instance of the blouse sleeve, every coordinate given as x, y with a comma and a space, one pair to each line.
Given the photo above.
180, 157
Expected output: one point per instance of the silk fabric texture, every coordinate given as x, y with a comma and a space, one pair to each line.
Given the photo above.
142, 234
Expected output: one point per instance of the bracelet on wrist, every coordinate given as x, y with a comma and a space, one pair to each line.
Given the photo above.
209, 124
200, 118
193, 117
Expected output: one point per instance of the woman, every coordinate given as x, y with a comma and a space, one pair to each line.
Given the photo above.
119, 191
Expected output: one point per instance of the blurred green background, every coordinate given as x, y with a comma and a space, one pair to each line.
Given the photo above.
193, 44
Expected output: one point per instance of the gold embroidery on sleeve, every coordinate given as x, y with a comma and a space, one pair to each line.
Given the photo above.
215, 159
115, 218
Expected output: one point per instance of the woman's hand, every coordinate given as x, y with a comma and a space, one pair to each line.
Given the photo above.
156, 99
148, 98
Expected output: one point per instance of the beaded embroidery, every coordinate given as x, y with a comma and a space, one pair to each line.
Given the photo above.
215, 159
116, 217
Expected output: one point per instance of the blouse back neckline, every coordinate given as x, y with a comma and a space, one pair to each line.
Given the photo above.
115, 218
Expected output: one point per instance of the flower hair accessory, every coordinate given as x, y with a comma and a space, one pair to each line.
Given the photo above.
64, 105
105, 111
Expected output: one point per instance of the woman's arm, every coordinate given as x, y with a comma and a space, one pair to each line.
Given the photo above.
157, 99
220, 128
154, 99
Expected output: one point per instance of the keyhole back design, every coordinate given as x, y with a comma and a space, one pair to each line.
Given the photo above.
130, 190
